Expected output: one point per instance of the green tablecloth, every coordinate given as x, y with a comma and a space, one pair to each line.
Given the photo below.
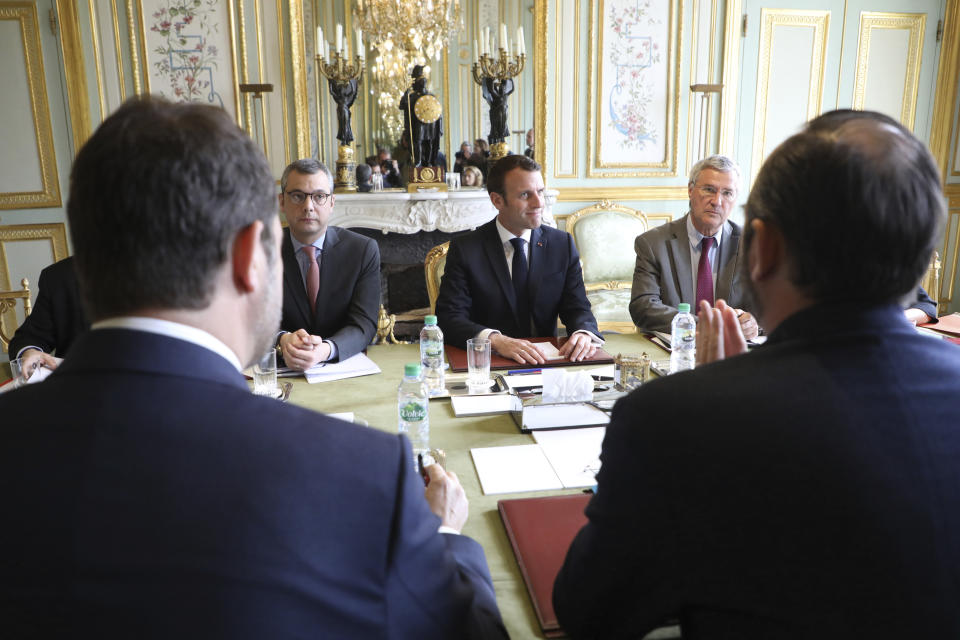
374, 399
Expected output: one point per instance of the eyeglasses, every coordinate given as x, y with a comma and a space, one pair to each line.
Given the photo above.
299, 197
711, 192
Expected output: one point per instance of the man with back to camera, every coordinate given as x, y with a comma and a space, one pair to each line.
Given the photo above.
807, 489
170, 502
490, 290
331, 276
671, 264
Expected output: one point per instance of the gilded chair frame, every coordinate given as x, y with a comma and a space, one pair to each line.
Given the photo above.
430, 268
8, 303
605, 206
931, 280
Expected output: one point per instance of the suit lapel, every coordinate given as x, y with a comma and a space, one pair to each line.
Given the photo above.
729, 250
679, 248
498, 262
293, 281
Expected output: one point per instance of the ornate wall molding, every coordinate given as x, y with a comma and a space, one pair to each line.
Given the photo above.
49, 193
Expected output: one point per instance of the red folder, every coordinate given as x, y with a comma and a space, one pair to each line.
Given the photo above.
458, 358
540, 532
949, 324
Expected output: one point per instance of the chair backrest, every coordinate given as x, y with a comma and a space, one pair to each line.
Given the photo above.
8, 311
433, 266
604, 235
931, 280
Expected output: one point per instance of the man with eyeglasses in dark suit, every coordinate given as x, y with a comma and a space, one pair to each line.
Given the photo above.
331, 276
695, 257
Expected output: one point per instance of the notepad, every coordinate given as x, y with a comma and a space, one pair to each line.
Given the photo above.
352, 367
482, 405
510, 469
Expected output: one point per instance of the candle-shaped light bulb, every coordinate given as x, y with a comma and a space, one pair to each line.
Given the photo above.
318, 44
339, 38
503, 36
359, 43
476, 50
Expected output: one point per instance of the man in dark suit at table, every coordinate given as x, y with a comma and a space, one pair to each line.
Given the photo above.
57, 319
511, 278
331, 276
155, 496
808, 489
695, 257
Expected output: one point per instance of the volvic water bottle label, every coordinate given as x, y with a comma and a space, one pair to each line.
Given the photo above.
413, 412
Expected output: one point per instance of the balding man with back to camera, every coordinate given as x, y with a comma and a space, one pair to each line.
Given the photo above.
809, 488
157, 497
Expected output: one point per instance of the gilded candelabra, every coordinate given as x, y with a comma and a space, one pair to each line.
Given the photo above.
495, 77
344, 78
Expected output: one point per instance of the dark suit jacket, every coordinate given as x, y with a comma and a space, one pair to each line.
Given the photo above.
58, 315
167, 501
808, 489
476, 291
349, 297
924, 303
663, 277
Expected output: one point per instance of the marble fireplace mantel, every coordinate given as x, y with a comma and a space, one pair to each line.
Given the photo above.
403, 212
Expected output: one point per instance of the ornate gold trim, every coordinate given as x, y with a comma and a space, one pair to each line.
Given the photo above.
142, 44
770, 18
915, 24
946, 98
283, 83
97, 57
541, 7
577, 194
117, 48
49, 194
446, 103
952, 194
731, 78
74, 71
575, 93
55, 232
300, 100
675, 56
134, 59
247, 118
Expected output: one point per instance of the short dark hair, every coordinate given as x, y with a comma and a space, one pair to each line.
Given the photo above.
858, 201
157, 196
363, 172
505, 165
307, 167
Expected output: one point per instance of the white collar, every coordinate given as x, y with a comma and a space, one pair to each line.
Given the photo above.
695, 237
506, 235
175, 330
297, 245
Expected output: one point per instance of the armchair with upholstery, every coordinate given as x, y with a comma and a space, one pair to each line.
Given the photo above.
604, 234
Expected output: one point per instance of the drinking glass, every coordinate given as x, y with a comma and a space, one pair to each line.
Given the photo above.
265, 375
478, 363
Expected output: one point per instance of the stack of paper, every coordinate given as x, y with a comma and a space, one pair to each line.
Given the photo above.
561, 460
352, 367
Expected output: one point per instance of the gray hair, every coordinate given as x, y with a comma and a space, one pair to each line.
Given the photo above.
306, 166
717, 162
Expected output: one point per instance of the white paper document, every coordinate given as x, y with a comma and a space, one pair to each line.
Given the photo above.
550, 352
358, 365
574, 454
523, 380
518, 468
482, 405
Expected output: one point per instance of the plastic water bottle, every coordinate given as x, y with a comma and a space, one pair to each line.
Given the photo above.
683, 339
413, 410
431, 356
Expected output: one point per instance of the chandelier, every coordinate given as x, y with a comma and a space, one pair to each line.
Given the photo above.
404, 33
414, 26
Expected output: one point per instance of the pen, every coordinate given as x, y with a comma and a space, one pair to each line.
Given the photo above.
518, 371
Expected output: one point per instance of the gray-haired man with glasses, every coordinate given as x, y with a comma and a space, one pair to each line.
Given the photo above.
695, 257
331, 276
